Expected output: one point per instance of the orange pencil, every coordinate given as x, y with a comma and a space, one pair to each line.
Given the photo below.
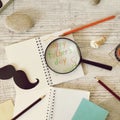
88, 25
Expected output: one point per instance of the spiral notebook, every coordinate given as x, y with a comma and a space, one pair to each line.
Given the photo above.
29, 57
59, 104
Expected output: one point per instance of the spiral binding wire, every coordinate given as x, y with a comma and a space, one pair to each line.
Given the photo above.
42, 57
51, 105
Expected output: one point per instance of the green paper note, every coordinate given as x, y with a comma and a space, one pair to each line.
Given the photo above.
89, 111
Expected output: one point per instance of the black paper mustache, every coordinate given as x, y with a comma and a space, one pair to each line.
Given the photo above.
1, 4
19, 77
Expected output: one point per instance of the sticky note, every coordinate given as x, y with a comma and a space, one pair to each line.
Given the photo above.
89, 111
6, 110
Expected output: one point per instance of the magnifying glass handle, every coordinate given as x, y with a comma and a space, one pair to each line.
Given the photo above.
108, 67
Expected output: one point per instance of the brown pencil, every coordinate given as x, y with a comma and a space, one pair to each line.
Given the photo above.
29, 107
108, 89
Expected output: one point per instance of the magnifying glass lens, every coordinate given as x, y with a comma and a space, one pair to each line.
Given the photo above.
62, 55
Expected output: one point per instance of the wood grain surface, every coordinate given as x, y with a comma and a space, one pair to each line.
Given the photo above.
54, 15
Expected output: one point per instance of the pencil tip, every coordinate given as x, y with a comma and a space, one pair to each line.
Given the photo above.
96, 78
43, 96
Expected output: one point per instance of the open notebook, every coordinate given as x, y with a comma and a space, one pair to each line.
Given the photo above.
29, 57
59, 104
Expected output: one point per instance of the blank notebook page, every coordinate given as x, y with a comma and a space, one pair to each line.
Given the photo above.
37, 112
65, 102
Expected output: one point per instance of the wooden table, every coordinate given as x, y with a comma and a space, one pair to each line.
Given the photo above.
55, 15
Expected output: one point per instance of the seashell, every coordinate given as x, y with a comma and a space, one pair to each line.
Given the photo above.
95, 2
19, 22
98, 43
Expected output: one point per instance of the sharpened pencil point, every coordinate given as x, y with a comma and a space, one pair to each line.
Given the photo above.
109, 89
43, 96
96, 78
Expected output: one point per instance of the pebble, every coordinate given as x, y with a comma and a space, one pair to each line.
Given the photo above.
98, 43
95, 2
18, 22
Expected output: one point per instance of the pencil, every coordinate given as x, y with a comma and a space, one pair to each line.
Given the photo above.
29, 107
88, 25
108, 89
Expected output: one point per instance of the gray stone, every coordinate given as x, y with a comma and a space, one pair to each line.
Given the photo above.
18, 22
95, 2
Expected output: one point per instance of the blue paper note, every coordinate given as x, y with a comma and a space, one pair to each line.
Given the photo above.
89, 111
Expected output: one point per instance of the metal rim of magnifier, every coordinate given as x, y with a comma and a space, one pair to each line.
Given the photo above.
57, 39
116, 50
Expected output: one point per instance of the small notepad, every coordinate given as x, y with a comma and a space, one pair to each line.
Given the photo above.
6, 110
89, 111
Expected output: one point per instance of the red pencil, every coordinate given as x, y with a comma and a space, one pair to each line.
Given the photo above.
88, 25
107, 88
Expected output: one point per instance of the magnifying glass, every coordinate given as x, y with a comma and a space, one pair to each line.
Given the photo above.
63, 55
